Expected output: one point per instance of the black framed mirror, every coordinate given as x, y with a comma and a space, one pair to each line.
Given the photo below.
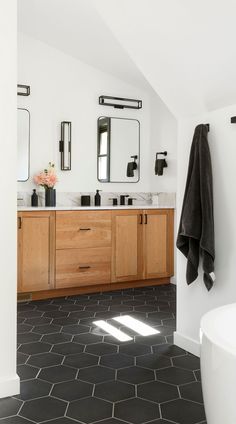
118, 150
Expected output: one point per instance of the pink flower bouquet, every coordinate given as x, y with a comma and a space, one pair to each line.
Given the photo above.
47, 178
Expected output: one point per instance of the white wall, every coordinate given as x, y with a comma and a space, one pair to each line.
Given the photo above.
63, 88
195, 300
9, 382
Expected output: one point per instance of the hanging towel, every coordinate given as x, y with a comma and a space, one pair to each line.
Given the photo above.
160, 164
196, 230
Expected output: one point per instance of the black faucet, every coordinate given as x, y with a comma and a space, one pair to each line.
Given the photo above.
122, 199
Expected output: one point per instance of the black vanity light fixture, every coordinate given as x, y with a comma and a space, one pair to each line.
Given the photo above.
23, 90
65, 146
233, 120
160, 164
120, 102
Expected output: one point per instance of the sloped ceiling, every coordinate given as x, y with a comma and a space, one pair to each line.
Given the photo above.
184, 48
76, 28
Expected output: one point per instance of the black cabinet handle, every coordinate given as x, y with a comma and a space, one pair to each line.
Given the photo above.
19, 223
145, 222
141, 219
84, 229
84, 267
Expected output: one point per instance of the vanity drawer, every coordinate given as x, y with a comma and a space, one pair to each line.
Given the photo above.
83, 267
82, 229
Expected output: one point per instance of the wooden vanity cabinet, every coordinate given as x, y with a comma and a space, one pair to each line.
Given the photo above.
142, 245
36, 251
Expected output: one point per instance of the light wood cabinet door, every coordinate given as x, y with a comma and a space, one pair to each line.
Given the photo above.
127, 245
158, 243
36, 251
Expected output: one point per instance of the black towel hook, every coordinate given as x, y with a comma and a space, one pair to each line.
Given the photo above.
161, 153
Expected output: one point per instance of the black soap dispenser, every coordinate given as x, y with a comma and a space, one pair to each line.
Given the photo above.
97, 198
34, 198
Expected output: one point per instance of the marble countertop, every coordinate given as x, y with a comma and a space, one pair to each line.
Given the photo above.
89, 208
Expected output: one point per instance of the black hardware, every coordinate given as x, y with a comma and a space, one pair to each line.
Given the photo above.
23, 90
141, 219
161, 153
130, 201
114, 201
208, 127
65, 144
233, 120
84, 229
120, 102
145, 222
19, 223
84, 267
122, 199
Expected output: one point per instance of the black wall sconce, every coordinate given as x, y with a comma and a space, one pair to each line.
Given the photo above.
233, 120
23, 90
65, 146
160, 164
120, 102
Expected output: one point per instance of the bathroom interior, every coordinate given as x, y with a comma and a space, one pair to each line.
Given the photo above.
118, 139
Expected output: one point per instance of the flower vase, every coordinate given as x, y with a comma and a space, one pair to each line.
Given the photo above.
50, 197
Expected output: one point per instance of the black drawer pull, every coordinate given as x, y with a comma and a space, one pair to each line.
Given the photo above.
141, 218
84, 229
84, 267
145, 222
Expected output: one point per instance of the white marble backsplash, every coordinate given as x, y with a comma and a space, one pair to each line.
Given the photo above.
74, 198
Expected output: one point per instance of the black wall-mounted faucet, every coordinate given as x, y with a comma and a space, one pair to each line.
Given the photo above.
122, 199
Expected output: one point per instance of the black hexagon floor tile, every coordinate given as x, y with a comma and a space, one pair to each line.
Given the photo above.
47, 329
135, 375
135, 349
28, 337
183, 411
156, 391
56, 338
168, 350
43, 360
35, 388
34, 348
89, 410
96, 374
26, 372
114, 391
75, 329
188, 362
43, 409
153, 361
63, 420
155, 339
101, 349
24, 328
192, 391
174, 375
87, 338
117, 360
136, 411
81, 360
9, 406
68, 348
72, 390
57, 374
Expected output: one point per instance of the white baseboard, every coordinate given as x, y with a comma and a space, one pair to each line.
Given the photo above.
9, 386
187, 343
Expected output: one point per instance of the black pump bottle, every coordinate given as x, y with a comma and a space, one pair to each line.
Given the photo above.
97, 198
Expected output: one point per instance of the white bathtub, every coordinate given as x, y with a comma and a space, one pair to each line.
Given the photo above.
218, 364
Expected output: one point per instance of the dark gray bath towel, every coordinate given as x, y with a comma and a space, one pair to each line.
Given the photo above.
196, 230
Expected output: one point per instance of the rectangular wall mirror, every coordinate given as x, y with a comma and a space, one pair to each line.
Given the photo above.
118, 150
23, 144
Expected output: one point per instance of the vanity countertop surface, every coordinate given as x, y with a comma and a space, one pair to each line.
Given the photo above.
89, 208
